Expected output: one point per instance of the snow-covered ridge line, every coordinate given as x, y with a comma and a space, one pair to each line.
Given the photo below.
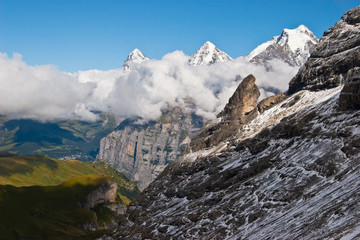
295, 103
294, 46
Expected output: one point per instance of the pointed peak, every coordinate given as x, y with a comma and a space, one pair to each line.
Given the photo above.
302, 27
136, 50
136, 56
208, 43
208, 54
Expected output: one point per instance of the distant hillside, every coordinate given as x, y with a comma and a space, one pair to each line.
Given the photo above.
71, 139
45, 198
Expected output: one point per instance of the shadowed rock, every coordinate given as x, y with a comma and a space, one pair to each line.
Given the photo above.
337, 53
350, 95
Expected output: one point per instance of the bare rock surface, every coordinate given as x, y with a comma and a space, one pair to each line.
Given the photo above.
269, 102
337, 53
240, 109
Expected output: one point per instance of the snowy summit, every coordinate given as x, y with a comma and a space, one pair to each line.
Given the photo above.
293, 46
136, 56
208, 54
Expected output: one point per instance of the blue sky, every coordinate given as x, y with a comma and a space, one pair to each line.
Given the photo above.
99, 34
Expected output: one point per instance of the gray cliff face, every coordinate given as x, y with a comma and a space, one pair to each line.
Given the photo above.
335, 58
291, 172
142, 152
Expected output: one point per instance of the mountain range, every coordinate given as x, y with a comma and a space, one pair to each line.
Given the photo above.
143, 151
286, 167
293, 46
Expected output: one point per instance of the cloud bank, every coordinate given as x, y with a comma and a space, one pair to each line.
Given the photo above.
43, 92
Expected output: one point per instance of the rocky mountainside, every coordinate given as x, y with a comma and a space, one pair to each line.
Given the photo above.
336, 59
290, 172
208, 54
142, 151
135, 57
293, 46
118, 148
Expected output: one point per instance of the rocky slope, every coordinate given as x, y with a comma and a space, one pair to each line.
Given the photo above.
336, 59
291, 172
293, 46
142, 151
208, 54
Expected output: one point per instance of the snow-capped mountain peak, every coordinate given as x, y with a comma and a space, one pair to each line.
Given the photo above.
293, 46
297, 38
208, 54
136, 56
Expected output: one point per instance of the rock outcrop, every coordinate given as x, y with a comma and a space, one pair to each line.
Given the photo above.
106, 192
240, 109
269, 102
336, 54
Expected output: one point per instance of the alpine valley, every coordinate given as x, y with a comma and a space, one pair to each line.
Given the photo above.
263, 146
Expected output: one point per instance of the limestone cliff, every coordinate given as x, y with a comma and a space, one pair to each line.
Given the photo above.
142, 151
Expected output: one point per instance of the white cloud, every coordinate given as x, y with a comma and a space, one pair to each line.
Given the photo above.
146, 90
43, 92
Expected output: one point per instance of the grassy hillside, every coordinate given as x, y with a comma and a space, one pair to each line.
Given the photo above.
49, 212
58, 139
40, 196
39, 170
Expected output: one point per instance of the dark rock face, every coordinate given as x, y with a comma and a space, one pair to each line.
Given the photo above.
240, 109
350, 95
269, 102
337, 53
